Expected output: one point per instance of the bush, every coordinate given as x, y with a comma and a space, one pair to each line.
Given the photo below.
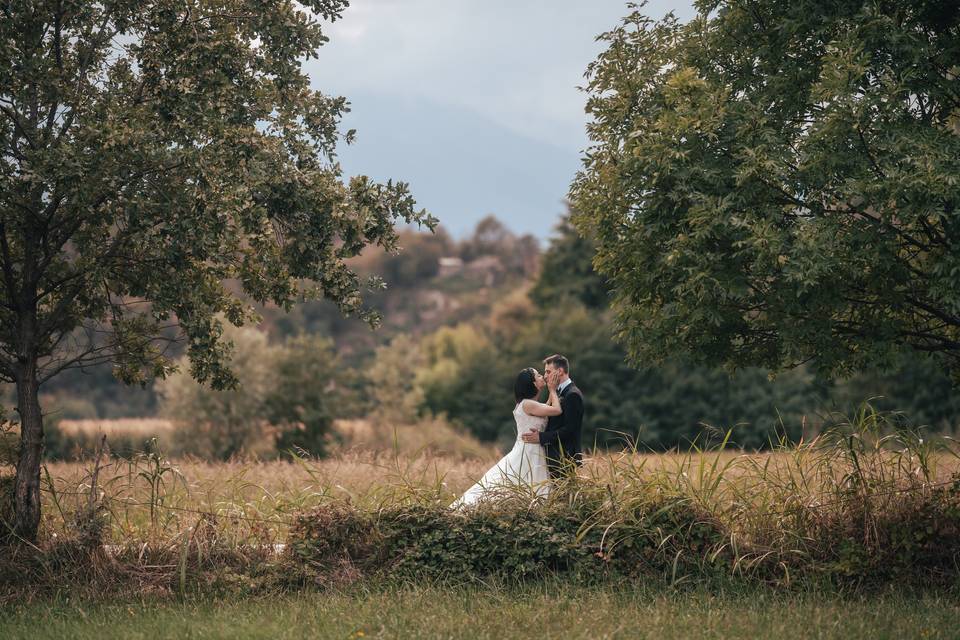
333, 543
918, 534
509, 541
215, 424
288, 397
866, 502
310, 389
917, 542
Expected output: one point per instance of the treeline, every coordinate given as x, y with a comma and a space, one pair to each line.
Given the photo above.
466, 371
432, 281
454, 337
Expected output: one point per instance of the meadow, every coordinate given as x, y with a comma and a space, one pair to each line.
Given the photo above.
536, 612
853, 534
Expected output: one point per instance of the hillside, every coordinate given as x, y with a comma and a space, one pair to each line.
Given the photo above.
432, 281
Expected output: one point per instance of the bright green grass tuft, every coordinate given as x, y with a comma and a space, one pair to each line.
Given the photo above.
549, 610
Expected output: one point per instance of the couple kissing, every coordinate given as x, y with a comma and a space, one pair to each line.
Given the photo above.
548, 444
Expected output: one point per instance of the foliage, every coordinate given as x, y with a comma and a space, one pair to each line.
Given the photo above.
492, 238
513, 543
217, 424
172, 148
94, 392
287, 398
463, 377
655, 405
420, 297
917, 387
670, 404
872, 502
393, 389
151, 153
776, 182
862, 504
567, 272
310, 389
417, 259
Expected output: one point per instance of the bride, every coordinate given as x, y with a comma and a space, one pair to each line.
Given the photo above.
526, 464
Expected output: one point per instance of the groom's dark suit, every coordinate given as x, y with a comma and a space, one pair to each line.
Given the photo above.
561, 437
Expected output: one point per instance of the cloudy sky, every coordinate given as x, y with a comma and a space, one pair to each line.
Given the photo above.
473, 102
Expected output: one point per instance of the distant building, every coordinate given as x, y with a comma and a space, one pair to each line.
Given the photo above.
449, 266
489, 268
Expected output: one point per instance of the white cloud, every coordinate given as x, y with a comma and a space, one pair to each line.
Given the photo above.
474, 102
515, 62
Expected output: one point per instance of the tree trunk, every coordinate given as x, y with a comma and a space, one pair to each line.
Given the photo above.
27, 483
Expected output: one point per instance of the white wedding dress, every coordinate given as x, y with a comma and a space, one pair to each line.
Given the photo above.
525, 466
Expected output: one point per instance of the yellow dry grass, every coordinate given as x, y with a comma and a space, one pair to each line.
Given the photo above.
244, 492
141, 427
434, 436
149, 497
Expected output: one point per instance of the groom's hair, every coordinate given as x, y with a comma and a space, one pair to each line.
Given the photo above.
559, 362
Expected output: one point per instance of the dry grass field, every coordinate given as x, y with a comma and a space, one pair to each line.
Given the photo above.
180, 530
150, 497
142, 427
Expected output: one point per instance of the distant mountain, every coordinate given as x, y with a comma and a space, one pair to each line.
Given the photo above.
460, 166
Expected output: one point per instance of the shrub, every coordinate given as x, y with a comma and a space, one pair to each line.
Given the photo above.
333, 543
288, 397
509, 540
915, 535
215, 424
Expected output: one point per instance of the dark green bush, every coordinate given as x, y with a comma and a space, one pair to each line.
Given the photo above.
506, 541
512, 544
908, 536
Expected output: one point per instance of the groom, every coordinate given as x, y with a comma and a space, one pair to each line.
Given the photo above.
561, 437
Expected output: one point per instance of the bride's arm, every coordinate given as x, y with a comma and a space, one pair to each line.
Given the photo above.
551, 408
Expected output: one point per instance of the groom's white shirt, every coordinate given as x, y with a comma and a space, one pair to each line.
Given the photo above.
563, 385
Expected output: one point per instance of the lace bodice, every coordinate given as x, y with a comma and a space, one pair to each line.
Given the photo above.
525, 422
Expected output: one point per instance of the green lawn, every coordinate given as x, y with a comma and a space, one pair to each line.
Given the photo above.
545, 611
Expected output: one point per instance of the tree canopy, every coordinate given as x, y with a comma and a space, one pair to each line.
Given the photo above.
165, 163
777, 182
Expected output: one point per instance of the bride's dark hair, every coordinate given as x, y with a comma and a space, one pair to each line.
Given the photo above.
525, 387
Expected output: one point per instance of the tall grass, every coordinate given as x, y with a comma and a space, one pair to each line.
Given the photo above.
868, 499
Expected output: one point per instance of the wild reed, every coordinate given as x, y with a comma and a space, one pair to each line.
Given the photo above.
868, 499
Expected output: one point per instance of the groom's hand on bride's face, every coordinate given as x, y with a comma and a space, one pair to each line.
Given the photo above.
531, 437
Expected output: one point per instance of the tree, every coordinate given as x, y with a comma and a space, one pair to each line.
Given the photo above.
463, 376
777, 182
568, 272
658, 405
311, 389
152, 151
391, 381
288, 397
490, 237
216, 424
416, 261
